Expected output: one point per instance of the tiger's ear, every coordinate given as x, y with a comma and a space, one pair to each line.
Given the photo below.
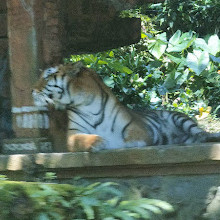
72, 68
78, 65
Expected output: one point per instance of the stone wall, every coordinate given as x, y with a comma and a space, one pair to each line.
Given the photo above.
5, 107
93, 25
187, 177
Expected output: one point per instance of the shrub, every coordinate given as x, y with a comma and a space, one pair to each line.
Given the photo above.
99, 201
180, 73
201, 16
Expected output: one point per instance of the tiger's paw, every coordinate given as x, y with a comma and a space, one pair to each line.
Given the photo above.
85, 142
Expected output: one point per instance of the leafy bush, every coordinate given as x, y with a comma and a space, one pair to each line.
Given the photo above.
99, 201
202, 16
180, 73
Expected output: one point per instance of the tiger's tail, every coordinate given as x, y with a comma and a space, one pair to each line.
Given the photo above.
212, 137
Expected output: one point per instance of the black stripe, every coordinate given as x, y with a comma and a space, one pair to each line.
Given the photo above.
55, 78
104, 98
75, 129
185, 138
56, 86
191, 127
68, 88
48, 89
83, 116
114, 119
61, 95
164, 139
87, 131
102, 109
62, 80
153, 122
182, 122
124, 129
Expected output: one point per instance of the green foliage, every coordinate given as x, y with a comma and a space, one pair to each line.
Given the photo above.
99, 201
180, 73
202, 16
49, 176
3, 177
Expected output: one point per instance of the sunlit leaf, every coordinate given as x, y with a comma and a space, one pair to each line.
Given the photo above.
109, 81
43, 216
102, 62
143, 35
201, 44
174, 40
197, 61
111, 54
170, 81
178, 43
122, 215
158, 47
162, 204
89, 211
214, 44
120, 68
176, 58
90, 59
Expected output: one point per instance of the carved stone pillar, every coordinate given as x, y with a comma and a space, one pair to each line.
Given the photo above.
26, 31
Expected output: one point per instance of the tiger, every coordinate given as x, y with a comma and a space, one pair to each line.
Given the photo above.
97, 120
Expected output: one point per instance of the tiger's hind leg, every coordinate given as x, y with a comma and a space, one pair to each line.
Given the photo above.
84, 142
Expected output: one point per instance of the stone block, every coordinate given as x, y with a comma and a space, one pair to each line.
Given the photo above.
26, 145
3, 6
3, 47
28, 120
3, 25
91, 37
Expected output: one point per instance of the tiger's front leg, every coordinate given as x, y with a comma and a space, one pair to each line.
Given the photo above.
84, 142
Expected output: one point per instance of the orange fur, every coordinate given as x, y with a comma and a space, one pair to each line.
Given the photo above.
83, 142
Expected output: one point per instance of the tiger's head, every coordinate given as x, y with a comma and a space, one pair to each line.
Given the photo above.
53, 87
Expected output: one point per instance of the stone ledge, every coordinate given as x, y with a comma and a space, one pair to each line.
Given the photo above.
158, 160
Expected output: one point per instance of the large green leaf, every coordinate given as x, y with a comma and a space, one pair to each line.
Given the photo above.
214, 44
109, 81
176, 58
162, 204
170, 81
122, 215
197, 61
157, 47
175, 38
88, 211
200, 44
178, 43
181, 77
43, 216
90, 59
120, 67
